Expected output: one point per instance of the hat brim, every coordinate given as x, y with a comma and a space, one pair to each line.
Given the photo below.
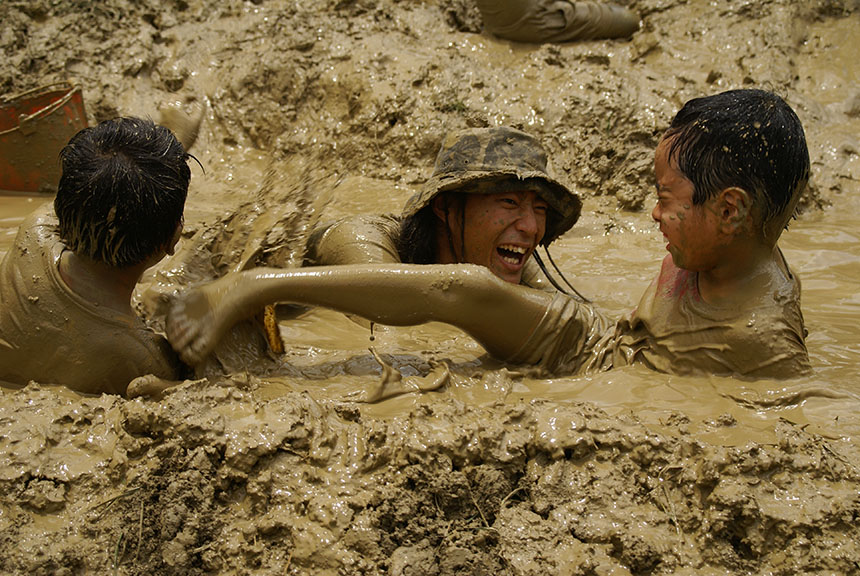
565, 205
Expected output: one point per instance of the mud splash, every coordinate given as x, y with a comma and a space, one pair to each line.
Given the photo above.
321, 109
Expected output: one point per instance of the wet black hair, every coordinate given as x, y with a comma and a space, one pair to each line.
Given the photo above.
750, 139
122, 190
416, 243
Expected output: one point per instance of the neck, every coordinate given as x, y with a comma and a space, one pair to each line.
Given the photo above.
444, 246
100, 283
745, 270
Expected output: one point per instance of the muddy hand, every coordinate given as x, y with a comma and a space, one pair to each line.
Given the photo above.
191, 324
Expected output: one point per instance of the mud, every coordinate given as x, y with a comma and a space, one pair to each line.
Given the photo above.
422, 456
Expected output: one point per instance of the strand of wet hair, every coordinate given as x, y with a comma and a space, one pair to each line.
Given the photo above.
560, 273
549, 277
553, 281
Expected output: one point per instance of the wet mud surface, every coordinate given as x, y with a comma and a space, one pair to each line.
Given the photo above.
284, 465
214, 480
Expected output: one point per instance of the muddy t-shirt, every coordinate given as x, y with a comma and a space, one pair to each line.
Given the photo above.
372, 239
52, 335
673, 330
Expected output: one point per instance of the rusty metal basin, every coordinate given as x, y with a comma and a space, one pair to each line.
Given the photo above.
34, 127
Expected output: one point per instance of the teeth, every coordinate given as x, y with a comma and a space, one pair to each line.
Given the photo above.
514, 249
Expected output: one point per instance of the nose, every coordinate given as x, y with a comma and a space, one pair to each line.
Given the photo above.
527, 222
531, 222
656, 212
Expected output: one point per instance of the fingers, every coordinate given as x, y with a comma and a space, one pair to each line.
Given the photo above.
139, 386
185, 333
197, 351
194, 322
178, 328
191, 346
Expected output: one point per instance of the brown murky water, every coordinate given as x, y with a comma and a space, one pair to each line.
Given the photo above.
823, 248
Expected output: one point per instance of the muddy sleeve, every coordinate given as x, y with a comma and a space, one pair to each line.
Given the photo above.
354, 240
565, 338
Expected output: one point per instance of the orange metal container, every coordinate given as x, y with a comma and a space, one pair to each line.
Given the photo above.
34, 127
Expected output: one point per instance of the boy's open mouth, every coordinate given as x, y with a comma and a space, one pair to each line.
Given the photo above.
511, 254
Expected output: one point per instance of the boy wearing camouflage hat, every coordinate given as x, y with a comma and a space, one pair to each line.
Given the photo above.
729, 170
490, 201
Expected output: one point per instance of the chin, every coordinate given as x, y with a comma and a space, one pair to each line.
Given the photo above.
511, 279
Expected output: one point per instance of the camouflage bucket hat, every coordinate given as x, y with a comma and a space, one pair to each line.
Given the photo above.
491, 160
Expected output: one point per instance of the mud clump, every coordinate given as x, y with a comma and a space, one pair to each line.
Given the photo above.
212, 479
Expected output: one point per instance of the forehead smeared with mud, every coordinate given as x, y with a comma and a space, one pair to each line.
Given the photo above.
750, 139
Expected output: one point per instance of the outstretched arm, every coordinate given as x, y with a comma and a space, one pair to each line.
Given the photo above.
499, 315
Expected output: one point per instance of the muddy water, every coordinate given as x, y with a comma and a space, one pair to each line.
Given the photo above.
12, 211
610, 257
613, 267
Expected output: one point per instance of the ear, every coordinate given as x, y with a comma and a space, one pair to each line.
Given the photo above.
734, 207
170, 247
441, 206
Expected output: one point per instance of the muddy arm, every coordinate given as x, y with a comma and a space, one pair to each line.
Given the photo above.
499, 315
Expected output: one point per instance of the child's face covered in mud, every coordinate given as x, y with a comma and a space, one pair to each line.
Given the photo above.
692, 231
499, 231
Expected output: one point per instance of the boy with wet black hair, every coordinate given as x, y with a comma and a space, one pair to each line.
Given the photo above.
729, 170
749, 139
66, 284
